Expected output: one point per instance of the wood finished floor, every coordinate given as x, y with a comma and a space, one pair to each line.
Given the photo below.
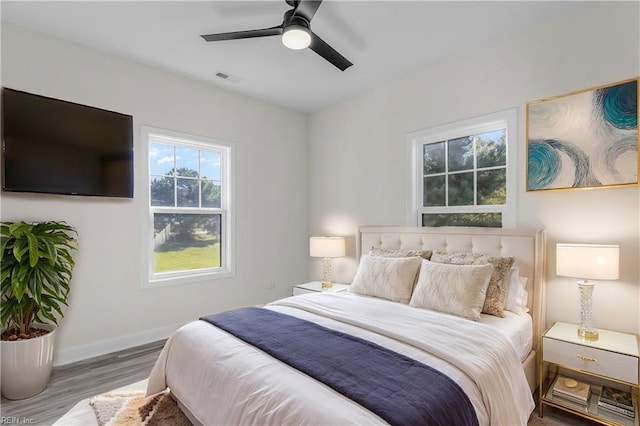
74, 382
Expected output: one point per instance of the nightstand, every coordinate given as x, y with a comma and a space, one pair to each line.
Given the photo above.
612, 360
316, 286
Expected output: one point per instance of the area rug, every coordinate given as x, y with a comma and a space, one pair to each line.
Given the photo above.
133, 409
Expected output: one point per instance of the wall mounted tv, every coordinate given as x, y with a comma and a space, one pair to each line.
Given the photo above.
59, 147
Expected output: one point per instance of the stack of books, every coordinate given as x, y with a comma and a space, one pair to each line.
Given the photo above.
617, 401
572, 390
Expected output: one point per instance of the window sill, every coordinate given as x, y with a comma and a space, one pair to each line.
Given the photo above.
193, 278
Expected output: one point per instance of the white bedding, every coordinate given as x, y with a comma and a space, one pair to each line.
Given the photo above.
517, 328
221, 380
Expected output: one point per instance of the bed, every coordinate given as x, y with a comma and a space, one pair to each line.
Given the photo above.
427, 356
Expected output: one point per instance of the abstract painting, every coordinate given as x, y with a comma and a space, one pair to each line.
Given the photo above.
587, 139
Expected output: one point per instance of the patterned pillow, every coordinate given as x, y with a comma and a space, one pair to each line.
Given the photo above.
425, 254
386, 277
497, 290
455, 289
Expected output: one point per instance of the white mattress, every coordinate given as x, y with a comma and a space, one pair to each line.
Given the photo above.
517, 328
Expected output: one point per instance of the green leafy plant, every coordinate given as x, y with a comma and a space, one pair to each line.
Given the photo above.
35, 272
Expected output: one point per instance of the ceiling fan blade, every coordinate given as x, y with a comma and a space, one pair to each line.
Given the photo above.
235, 35
307, 8
329, 53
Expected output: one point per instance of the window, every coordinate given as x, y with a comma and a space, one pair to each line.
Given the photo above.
462, 174
190, 216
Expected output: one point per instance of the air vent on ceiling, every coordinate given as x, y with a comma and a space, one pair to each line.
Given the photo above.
228, 77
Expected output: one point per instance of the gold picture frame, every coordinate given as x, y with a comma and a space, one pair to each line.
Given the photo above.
584, 139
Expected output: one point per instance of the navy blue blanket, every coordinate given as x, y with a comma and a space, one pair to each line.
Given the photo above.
397, 388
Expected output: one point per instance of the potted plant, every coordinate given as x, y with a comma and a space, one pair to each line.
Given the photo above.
35, 272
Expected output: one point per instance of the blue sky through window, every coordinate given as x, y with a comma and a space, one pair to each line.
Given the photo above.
493, 136
163, 158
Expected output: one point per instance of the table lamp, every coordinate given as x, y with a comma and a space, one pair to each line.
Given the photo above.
326, 248
589, 262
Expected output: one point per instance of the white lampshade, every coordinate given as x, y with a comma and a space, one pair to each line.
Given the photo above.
326, 247
296, 37
588, 261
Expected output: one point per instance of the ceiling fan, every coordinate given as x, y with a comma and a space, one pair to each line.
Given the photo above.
296, 33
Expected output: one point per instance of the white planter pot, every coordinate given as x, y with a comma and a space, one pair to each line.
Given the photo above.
26, 365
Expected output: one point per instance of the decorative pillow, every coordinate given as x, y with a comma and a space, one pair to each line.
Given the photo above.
515, 301
386, 277
455, 289
497, 290
425, 254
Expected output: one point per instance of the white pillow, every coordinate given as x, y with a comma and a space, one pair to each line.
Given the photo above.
455, 289
516, 300
389, 278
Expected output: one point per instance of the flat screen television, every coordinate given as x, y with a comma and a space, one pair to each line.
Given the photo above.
59, 147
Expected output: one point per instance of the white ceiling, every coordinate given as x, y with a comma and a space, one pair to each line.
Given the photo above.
384, 39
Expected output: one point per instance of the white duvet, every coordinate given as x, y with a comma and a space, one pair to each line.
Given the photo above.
221, 380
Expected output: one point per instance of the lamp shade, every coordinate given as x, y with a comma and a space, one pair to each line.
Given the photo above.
588, 261
326, 247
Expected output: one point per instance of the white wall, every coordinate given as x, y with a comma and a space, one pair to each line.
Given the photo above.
357, 168
108, 309
355, 173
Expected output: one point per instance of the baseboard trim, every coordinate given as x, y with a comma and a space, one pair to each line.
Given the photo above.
80, 353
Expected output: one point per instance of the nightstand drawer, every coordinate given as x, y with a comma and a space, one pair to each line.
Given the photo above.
592, 360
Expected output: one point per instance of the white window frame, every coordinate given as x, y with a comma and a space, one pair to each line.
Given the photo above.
415, 141
226, 210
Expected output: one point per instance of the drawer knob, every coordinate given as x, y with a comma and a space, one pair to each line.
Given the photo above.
586, 358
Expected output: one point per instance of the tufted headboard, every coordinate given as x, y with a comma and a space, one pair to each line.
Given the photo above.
528, 247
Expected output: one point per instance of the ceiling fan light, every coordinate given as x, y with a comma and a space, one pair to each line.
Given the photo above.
296, 37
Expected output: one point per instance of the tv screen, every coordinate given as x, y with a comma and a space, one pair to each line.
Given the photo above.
60, 147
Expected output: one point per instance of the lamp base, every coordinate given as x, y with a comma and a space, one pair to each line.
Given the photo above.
586, 330
326, 273
591, 335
